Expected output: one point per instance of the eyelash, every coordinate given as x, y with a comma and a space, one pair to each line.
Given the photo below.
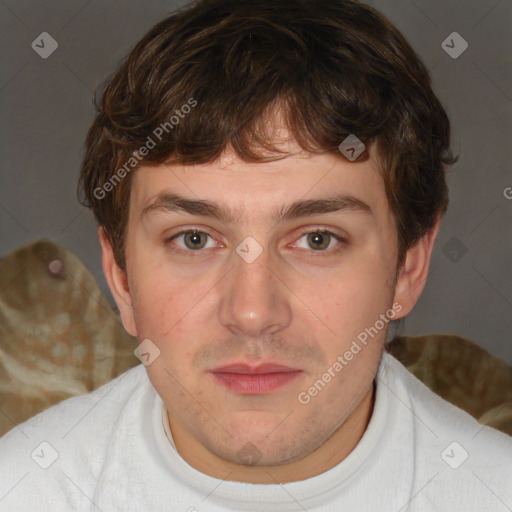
317, 253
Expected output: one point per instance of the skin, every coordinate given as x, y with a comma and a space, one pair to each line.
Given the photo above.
294, 305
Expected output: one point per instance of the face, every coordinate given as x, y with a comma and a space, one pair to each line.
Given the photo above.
252, 301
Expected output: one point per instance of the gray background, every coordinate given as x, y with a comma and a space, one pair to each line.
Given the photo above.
47, 109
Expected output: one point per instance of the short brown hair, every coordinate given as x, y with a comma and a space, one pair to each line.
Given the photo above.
336, 67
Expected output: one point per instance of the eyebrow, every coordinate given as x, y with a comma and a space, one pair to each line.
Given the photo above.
167, 202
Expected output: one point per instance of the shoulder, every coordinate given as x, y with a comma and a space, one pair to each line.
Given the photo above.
451, 449
445, 417
75, 432
65, 416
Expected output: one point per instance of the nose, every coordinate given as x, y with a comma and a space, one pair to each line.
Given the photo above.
253, 301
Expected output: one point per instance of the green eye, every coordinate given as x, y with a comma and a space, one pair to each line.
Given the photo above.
195, 239
192, 239
319, 240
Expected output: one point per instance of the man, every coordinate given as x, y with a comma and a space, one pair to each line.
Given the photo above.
268, 179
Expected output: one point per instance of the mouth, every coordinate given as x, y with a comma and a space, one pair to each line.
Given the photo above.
255, 380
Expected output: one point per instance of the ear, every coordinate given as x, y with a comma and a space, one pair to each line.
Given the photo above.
117, 280
413, 273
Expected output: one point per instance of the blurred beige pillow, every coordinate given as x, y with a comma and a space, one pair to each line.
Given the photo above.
59, 336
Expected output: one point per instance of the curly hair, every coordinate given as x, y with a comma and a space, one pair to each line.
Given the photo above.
334, 68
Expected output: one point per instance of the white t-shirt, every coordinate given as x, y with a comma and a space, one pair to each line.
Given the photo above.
109, 451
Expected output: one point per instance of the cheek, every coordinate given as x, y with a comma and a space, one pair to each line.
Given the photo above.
160, 298
352, 298
170, 312
158, 306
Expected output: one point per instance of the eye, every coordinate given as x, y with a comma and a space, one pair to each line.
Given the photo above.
321, 240
193, 239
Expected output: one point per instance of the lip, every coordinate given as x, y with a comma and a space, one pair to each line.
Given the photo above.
255, 380
243, 368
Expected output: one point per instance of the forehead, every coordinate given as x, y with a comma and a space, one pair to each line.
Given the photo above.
233, 189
